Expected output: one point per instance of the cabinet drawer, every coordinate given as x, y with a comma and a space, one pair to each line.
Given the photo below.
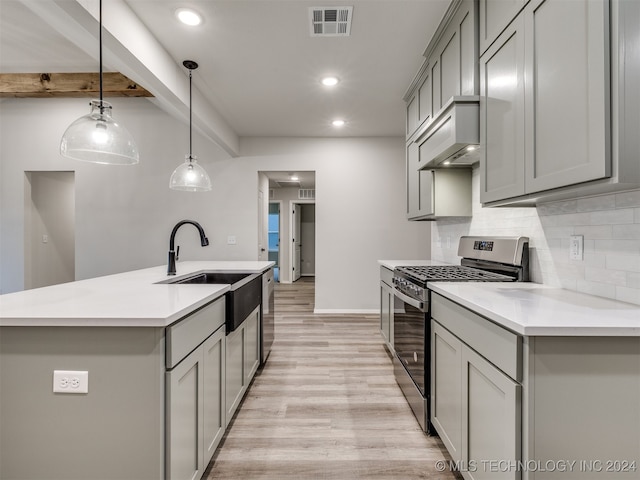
496, 344
386, 275
184, 336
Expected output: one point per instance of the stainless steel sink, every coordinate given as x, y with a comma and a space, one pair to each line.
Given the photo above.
244, 297
231, 278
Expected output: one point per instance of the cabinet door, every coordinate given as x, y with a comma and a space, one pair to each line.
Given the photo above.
234, 372
424, 97
213, 392
495, 15
567, 94
412, 115
385, 311
491, 426
184, 430
502, 116
419, 186
252, 345
446, 388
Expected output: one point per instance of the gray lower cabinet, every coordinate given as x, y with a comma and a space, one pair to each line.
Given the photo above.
533, 408
242, 361
195, 415
386, 307
475, 403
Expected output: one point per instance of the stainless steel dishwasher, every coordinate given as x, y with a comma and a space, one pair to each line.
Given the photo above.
267, 323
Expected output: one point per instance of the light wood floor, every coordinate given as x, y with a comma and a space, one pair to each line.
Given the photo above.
325, 406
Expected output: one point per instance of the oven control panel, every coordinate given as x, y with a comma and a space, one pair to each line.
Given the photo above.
409, 288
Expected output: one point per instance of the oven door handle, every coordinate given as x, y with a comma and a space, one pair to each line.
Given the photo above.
411, 301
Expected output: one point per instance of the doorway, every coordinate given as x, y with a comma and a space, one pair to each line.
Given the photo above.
49, 254
273, 234
289, 190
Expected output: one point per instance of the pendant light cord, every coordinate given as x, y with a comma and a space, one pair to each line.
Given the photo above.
100, 41
190, 114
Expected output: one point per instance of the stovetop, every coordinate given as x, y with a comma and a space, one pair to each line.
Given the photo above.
449, 273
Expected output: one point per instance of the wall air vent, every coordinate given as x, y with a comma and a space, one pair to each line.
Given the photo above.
307, 194
330, 21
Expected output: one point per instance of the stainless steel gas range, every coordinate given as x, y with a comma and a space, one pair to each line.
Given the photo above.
484, 259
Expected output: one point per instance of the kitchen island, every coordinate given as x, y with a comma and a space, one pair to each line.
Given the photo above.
534, 382
156, 359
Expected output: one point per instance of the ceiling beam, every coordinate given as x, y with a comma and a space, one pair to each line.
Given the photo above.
130, 48
76, 85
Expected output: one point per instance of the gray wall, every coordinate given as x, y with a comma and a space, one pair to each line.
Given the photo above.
124, 215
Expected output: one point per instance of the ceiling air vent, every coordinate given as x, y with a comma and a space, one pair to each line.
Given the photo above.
307, 194
330, 21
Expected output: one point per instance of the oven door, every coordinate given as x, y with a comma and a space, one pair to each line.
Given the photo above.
410, 325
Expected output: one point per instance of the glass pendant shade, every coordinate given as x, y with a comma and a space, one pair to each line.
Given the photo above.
97, 138
190, 177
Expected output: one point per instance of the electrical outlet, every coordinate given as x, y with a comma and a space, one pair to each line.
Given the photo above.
69, 381
231, 240
576, 247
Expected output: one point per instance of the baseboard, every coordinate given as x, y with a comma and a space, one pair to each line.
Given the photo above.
337, 311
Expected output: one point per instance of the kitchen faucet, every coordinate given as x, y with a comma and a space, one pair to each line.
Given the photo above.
204, 241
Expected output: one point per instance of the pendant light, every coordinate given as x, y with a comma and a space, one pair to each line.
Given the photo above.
96, 137
190, 176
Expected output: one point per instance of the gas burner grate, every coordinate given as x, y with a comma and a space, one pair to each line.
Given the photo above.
452, 273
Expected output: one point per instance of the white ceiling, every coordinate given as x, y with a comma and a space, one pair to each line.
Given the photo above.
259, 67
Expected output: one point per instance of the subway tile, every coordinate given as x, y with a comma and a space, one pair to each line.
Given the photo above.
600, 202
629, 263
597, 260
633, 280
628, 199
611, 217
583, 218
594, 231
626, 294
622, 247
556, 208
596, 288
630, 231
603, 275
558, 231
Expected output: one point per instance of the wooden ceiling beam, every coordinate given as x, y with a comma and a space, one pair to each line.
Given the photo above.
75, 85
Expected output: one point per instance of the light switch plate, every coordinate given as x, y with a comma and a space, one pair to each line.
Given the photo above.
576, 247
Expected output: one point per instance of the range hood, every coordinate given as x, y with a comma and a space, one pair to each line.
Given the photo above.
453, 136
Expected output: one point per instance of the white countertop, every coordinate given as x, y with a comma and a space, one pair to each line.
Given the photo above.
131, 299
391, 264
533, 309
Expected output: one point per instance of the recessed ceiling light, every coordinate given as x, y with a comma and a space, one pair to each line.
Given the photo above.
330, 81
338, 123
188, 17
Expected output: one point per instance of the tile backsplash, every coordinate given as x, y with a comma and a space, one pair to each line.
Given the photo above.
609, 224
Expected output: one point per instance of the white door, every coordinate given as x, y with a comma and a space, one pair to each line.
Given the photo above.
296, 242
262, 241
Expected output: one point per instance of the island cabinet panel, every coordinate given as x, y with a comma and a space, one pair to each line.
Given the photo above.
242, 360
114, 431
213, 410
184, 425
195, 415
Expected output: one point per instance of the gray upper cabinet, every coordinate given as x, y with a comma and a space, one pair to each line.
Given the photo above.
450, 70
502, 116
553, 86
495, 15
450, 67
